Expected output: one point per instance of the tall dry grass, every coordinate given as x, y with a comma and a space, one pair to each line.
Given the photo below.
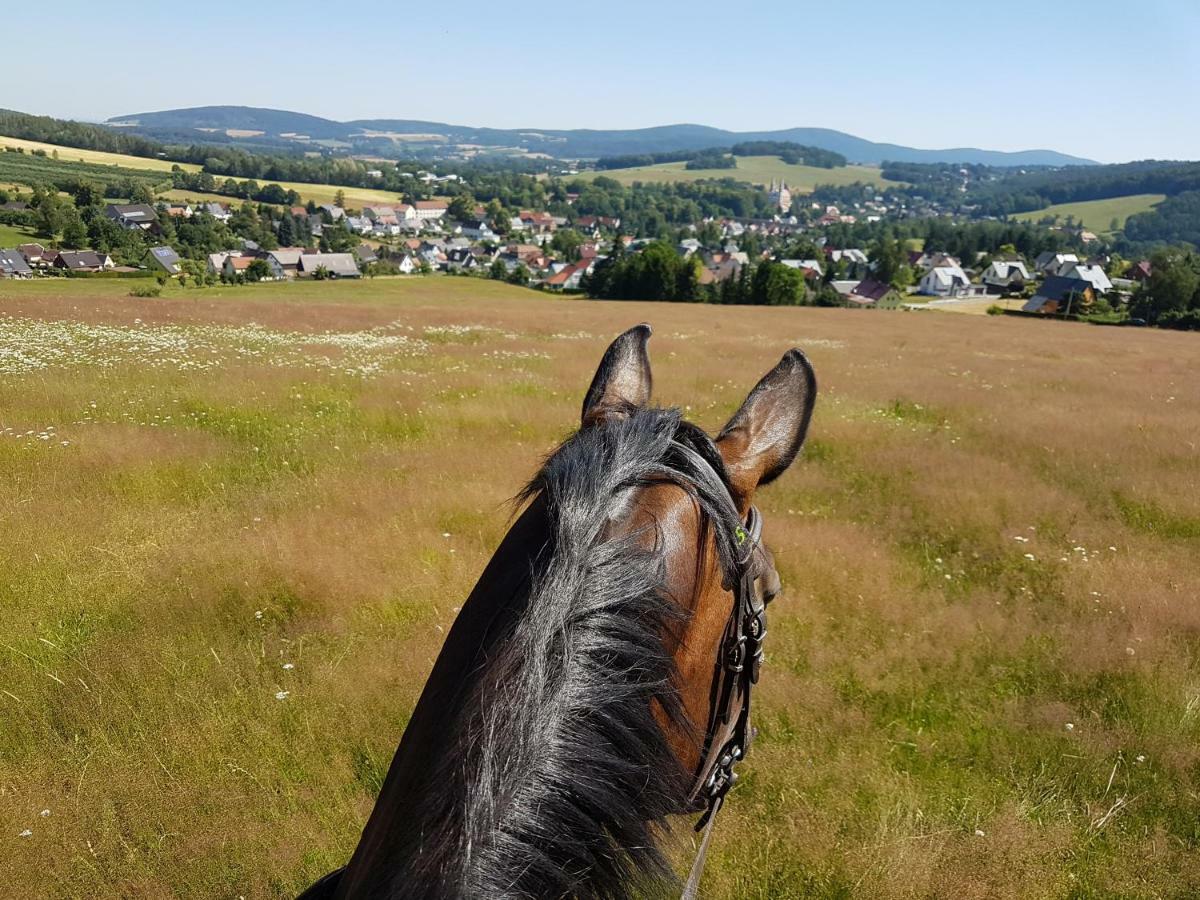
228, 556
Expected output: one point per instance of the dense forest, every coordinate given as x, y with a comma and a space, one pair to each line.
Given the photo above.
795, 154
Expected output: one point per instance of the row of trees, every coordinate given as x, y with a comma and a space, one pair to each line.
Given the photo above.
659, 273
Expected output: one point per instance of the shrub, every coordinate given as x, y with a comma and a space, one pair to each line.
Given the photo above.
146, 290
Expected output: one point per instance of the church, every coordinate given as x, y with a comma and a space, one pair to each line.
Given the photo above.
780, 196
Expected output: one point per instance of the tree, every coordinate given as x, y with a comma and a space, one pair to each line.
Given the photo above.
339, 198
287, 230
462, 208
258, 270
141, 194
519, 275
48, 217
890, 262
74, 233
1173, 285
497, 271
567, 241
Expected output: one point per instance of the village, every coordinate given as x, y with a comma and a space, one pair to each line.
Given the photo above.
559, 252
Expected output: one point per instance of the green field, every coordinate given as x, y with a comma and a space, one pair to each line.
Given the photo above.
1097, 215
754, 169
12, 235
238, 523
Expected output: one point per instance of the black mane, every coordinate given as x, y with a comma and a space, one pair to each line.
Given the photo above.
563, 777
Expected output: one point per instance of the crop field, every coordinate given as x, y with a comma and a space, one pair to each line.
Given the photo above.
238, 522
26, 169
1098, 215
96, 157
756, 170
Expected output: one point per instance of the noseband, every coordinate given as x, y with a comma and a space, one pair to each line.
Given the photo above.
729, 733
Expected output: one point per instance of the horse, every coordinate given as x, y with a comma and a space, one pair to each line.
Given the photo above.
596, 682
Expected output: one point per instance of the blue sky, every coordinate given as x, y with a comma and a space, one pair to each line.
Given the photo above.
1105, 79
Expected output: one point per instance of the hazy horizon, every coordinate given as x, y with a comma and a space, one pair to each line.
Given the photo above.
939, 78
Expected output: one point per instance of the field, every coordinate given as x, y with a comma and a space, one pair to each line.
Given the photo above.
1097, 215
26, 169
97, 157
12, 235
754, 169
237, 523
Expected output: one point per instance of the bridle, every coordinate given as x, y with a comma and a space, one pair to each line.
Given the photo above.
729, 733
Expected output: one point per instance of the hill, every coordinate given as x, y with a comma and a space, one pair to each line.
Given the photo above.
754, 169
1098, 215
231, 123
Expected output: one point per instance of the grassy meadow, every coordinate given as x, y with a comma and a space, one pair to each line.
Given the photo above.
12, 235
237, 523
1097, 215
756, 170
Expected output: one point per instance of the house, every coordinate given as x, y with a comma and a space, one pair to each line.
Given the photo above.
334, 212
14, 265
873, 294
1049, 263
1090, 272
365, 254
430, 210
808, 266
34, 254
407, 264
570, 277
1140, 271
944, 281
216, 261
286, 260
335, 265
236, 265
1003, 276
479, 230
218, 211
460, 258
180, 210
165, 259
132, 216
14, 206
852, 256
83, 261
1059, 294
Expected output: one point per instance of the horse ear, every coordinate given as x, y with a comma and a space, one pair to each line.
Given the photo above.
764, 436
623, 380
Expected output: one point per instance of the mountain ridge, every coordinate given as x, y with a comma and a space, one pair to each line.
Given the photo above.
579, 143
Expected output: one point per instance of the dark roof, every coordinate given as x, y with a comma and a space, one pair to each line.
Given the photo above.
13, 263
1059, 287
138, 212
84, 259
14, 206
870, 289
166, 257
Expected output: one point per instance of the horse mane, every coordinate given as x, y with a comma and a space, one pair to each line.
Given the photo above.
562, 773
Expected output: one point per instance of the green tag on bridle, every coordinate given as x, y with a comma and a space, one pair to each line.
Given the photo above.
740, 534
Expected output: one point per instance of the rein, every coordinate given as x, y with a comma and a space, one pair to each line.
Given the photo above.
729, 732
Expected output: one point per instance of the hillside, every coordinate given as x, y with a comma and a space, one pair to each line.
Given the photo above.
398, 136
754, 169
1098, 215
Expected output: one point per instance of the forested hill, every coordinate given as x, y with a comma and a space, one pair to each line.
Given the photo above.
403, 135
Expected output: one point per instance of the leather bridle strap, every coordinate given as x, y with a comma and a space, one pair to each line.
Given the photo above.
729, 731
692, 889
